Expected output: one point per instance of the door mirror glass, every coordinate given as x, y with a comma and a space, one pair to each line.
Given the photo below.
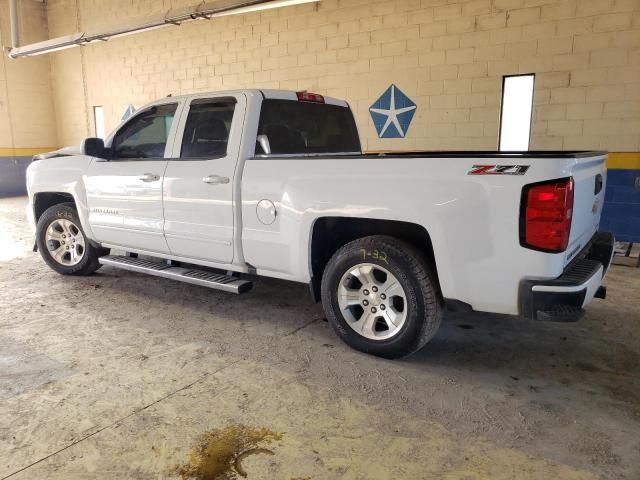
93, 147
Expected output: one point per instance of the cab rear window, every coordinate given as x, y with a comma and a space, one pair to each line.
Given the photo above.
294, 127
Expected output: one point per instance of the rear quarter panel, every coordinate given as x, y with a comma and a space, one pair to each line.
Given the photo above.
473, 220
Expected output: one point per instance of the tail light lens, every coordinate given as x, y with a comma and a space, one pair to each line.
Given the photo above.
310, 97
545, 216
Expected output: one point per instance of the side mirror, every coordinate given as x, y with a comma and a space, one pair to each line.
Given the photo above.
93, 147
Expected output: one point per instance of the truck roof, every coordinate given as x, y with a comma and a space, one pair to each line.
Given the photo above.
266, 93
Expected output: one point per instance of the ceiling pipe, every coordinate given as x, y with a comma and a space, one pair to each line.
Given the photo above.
13, 16
202, 11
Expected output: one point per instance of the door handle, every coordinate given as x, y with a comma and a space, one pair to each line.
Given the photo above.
150, 177
215, 180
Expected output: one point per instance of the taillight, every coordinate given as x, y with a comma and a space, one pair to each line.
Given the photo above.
545, 215
310, 97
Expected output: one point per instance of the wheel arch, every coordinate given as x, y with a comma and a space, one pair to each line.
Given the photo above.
45, 200
328, 234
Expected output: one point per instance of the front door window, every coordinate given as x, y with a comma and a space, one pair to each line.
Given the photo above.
145, 136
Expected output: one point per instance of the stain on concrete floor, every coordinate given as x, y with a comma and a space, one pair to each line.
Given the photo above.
218, 454
135, 368
22, 369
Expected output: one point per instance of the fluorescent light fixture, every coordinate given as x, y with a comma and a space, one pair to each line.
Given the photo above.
51, 49
53, 45
208, 10
263, 6
515, 116
135, 30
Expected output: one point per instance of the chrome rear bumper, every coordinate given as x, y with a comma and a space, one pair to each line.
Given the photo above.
563, 299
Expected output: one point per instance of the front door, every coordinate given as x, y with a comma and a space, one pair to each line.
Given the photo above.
124, 193
199, 181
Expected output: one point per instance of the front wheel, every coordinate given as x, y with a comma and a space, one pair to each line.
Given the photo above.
381, 297
63, 244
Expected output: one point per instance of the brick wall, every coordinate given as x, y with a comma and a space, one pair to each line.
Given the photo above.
26, 105
448, 56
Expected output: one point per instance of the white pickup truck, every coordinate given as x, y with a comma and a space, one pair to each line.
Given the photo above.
204, 188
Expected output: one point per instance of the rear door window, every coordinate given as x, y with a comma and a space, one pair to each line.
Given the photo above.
294, 127
145, 135
206, 133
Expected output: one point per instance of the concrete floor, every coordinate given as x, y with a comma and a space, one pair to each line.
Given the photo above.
116, 375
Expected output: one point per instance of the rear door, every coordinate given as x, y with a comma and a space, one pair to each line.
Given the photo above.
124, 193
198, 186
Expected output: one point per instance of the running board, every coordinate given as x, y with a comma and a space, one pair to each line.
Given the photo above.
203, 278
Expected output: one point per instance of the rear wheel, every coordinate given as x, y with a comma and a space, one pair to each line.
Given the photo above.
63, 244
381, 297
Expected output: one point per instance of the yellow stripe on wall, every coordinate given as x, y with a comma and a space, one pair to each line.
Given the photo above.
624, 160
24, 152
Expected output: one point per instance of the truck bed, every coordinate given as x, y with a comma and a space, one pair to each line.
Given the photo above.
471, 214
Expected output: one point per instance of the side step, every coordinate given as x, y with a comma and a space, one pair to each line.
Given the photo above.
189, 275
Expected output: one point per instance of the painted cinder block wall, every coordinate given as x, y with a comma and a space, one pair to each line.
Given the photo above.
448, 56
26, 100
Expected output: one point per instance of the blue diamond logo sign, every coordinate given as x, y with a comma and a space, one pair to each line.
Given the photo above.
392, 113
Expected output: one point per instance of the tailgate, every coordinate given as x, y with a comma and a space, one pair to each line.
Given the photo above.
590, 177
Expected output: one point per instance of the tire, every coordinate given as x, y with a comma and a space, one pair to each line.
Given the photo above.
390, 326
77, 256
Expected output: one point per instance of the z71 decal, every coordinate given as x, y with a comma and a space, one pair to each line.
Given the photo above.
498, 170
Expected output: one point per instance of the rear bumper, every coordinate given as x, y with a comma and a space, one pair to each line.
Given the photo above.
564, 298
